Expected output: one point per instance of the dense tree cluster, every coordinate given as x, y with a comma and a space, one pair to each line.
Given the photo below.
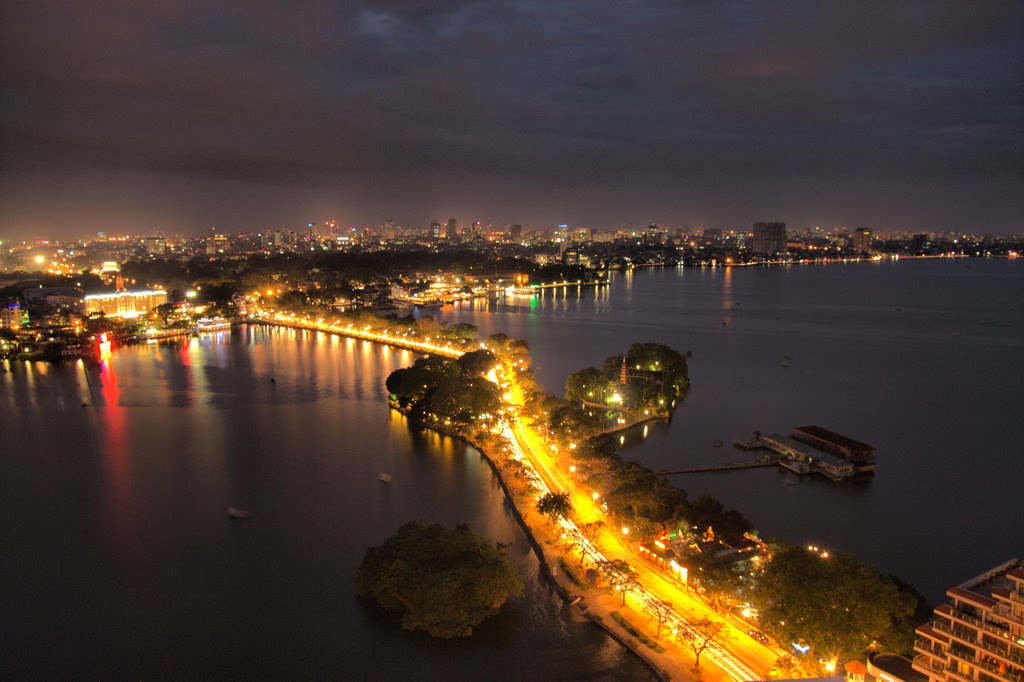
839, 605
656, 376
454, 393
444, 582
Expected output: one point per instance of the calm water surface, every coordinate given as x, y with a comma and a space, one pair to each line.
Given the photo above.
922, 359
119, 563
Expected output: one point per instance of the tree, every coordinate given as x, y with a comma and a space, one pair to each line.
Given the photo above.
620, 574
716, 578
587, 384
834, 602
661, 610
786, 665
703, 633
461, 332
590, 531
477, 363
556, 506
443, 581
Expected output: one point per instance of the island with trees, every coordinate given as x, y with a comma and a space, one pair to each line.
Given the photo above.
443, 582
838, 606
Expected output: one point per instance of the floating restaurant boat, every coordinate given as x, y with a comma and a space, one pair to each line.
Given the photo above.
212, 325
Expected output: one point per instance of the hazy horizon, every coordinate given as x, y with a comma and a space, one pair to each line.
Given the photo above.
128, 118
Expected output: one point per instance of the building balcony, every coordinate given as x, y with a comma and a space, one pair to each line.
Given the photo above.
927, 646
976, 622
1003, 612
925, 664
1000, 672
1008, 655
959, 632
953, 674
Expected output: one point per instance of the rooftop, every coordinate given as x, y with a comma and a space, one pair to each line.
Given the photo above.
118, 294
808, 450
898, 666
833, 437
981, 588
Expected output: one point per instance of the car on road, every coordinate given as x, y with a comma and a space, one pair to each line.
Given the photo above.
758, 635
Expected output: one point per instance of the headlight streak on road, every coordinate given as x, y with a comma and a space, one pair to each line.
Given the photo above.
735, 668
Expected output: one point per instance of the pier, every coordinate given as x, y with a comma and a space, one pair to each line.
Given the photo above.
718, 467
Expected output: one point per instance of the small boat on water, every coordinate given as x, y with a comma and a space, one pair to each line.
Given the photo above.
384, 478
237, 513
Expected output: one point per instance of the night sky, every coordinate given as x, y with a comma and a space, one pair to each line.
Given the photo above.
125, 116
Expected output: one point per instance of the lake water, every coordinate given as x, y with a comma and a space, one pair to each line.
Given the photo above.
118, 561
924, 359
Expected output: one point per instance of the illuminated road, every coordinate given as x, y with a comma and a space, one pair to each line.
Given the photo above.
745, 659
397, 340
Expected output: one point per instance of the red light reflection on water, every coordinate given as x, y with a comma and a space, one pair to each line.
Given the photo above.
115, 451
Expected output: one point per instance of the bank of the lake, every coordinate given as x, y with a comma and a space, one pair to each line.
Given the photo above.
921, 359
120, 561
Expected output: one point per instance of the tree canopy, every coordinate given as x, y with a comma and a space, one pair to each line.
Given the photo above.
840, 606
436, 389
555, 505
444, 582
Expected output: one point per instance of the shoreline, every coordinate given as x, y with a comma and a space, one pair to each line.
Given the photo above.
564, 592
599, 605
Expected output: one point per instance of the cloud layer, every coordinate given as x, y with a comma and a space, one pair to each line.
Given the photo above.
249, 114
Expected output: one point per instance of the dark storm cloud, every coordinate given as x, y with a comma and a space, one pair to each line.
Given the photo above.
689, 112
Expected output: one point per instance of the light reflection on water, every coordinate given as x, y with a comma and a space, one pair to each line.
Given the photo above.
120, 562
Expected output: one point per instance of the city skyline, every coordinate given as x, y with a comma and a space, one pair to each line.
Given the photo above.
126, 120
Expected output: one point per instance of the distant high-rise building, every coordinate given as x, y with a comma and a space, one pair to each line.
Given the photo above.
155, 245
769, 238
435, 230
862, 240
451, 232
515, 233
977, 635
654, 235
477, 231
711, 235
919, 244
